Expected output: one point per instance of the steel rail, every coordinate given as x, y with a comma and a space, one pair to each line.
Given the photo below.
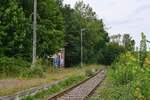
66, 91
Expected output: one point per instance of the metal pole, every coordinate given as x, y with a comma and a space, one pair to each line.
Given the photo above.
82, 29
81, 48
34, 32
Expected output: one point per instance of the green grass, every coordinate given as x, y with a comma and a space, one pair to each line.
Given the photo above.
56, 88
51, 75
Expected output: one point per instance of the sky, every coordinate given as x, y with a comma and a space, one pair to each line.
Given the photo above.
122, 16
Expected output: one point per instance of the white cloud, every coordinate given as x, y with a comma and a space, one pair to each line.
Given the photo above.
124, 16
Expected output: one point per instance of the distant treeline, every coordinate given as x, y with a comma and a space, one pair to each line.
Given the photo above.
58, 26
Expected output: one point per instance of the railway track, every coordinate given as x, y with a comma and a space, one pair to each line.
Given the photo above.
81, 90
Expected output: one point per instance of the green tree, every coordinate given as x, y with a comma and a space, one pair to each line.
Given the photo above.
128, 42
110, 53
116, 39
72, 36
94, 36
16, 28
12, 31
27, 6
50, 33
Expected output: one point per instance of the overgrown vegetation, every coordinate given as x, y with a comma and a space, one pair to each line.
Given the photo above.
127, 80
128, 76
12, 85
58, 26
12, 66
18, 67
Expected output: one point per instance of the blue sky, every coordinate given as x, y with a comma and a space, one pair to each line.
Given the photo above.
122, 16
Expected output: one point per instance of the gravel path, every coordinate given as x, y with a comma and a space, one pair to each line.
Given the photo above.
82, 91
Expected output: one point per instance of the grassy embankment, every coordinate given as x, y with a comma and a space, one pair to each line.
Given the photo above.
74, 74
126, 80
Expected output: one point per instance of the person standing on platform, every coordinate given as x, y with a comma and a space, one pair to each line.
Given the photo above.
54, 60
62, 59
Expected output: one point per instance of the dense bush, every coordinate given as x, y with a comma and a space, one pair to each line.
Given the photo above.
141, 85
12, 66
15, 67
126, 72
125, 69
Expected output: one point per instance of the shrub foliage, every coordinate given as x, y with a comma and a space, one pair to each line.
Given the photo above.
127, 73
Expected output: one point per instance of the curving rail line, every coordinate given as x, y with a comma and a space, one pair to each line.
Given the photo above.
81, 90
